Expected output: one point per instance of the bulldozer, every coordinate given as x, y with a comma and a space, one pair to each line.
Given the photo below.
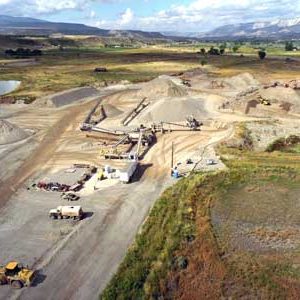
16, 275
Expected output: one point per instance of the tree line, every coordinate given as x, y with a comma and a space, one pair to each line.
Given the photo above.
21, 52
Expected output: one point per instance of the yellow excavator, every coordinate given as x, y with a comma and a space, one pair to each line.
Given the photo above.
16, 275
264, 101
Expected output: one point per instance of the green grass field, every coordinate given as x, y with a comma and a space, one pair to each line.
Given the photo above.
58, 70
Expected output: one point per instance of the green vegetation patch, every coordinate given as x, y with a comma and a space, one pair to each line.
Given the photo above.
289, 144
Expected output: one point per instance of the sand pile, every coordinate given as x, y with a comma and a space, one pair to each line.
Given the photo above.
172, 110
10, 133
161, 87
241, 82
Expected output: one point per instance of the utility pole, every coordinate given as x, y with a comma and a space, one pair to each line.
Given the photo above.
172, 158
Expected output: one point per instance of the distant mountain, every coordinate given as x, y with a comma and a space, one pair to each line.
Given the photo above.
180, 34
273, 30
22, 25
29, 26
278, 29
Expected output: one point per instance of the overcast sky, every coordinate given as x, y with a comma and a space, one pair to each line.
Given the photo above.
153, 15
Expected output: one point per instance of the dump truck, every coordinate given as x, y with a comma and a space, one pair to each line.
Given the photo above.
16, 275
66, 212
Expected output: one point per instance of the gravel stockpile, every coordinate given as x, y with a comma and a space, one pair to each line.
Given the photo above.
161, 87
10, 133
73, 96
172, 110
68, 97
111, 111
241, 82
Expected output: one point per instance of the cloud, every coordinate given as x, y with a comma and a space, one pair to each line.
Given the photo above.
200, 16
40, 7
126, 17
197, 16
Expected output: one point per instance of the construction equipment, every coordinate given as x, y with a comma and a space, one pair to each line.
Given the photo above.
133, 113
16, 275
264, 101
192, 123
186, 83
66, 212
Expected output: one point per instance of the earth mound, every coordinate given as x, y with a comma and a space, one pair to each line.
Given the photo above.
10, 133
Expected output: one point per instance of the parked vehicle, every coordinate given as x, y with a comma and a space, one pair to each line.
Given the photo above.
16, 275
70, 196
66, 212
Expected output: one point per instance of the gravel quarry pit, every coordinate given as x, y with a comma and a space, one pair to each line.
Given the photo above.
115, 212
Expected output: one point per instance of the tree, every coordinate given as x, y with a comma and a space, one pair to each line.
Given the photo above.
213, 51
289, 46
9, 52
262, 54
235, 48
202, 51
222, 51
223, 46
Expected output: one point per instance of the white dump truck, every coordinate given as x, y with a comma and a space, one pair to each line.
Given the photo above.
126, 174
66, 212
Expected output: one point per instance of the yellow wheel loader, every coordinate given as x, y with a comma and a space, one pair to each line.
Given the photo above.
16, 275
